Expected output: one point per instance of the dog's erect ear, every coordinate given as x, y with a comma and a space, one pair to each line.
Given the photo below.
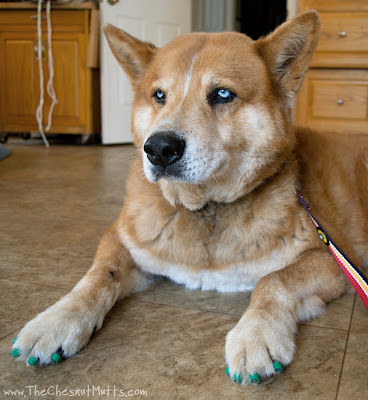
132, 54
288, 51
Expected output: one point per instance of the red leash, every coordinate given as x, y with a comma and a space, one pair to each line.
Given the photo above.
355, 276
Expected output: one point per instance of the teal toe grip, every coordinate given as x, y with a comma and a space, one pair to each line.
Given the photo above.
56, 358
32, 361
15, 353
227, 371
278, 367
255, 378
237, 378
15, 339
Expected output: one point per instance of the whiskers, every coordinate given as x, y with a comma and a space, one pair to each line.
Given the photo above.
127, 153
213, 176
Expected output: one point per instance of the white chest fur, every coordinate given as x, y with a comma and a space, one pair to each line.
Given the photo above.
235, 278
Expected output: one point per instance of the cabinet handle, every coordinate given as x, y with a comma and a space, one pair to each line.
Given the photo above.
340, 102
112, 2
36, 16
342, 34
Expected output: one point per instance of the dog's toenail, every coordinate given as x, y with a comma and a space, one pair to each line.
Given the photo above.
32, 361
278, 367
255, 378
56, 358
15, 353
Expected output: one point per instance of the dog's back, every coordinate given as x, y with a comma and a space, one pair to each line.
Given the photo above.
334, 179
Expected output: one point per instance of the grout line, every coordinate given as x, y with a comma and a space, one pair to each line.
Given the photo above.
324, 327
33, 283
229, 314
11, 333
183, 308
346, 346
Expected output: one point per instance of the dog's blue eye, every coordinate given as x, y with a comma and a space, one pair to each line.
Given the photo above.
159, 96
224, 93
220, 96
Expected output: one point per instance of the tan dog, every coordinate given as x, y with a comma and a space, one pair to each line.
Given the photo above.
217, 208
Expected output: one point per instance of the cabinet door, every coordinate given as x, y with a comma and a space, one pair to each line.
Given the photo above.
334, 100
19, 80
69, 53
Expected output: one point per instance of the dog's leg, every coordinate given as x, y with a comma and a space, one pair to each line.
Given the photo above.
67, 325
266, 331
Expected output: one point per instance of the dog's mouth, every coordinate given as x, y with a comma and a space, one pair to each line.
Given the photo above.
177, 171
173, 173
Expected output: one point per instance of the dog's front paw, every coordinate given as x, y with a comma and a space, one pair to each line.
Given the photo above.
259, 346
60, 331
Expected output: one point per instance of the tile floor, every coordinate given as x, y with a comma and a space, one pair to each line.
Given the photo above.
54, 206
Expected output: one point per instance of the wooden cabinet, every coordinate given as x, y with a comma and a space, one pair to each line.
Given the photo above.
76, 85
334, 99
334, 95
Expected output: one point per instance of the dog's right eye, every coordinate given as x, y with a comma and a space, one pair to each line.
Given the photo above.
159, 96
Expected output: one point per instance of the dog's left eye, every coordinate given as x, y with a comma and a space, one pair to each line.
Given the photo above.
220, 96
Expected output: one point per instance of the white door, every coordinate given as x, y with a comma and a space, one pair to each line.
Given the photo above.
156, 21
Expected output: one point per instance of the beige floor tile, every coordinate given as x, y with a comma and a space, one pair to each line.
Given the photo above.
22, 301
337, 316
338, 313
176, 353
54, 207
359, 322
354, 378
57, 266
166, 292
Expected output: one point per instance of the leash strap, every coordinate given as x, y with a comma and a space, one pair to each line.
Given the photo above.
355, 276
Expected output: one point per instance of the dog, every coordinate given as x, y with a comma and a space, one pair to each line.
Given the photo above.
211, 200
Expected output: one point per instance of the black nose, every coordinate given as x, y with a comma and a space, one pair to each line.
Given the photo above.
164, 148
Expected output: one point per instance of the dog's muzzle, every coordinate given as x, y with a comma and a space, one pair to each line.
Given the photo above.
164, 148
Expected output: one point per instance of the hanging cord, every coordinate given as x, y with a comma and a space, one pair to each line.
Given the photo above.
39, 111
50, 83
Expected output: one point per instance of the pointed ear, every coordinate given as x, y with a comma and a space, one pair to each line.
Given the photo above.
288, 51
132, 54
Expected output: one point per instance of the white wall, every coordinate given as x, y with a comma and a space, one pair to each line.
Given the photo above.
292, 8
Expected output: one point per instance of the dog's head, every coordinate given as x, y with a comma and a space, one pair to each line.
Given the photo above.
212, 112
